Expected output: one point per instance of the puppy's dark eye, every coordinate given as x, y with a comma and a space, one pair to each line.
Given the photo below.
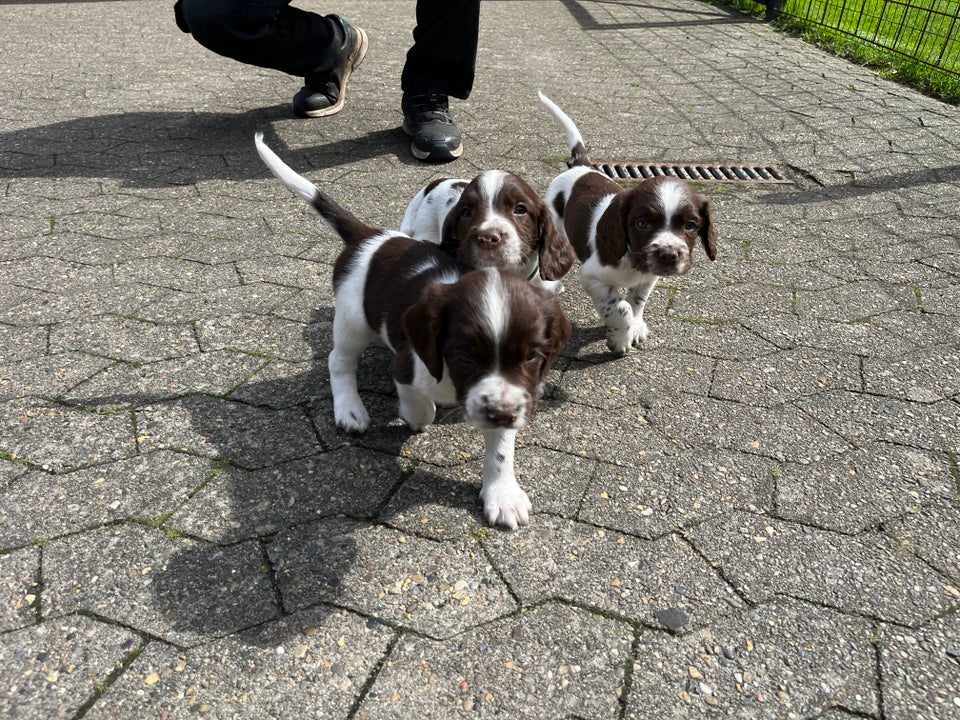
464, 357
691, 226
466, 212
642, 224
534, 358
520, 209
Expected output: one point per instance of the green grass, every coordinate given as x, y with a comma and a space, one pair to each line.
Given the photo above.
915, 42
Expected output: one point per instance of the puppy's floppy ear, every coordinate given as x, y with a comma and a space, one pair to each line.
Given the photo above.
556, 254
612, 236
708, 231
423, 325
449, 239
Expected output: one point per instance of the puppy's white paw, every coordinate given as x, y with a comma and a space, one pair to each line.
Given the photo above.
418, 417
619, 340
351, 416
505, 503
416, 409
640, 331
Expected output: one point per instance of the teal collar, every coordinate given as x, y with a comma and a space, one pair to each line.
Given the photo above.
536, 269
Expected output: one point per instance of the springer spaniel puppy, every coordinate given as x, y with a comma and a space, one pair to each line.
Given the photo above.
625, 238
494, 220
483, 339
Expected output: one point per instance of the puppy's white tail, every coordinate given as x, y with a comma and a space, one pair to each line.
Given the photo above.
346, 225
578, 151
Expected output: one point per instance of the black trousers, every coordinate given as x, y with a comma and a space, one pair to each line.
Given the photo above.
272, 34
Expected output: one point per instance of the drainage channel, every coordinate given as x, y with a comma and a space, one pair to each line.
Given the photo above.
700, 172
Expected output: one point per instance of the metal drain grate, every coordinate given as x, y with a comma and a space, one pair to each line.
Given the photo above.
699, 172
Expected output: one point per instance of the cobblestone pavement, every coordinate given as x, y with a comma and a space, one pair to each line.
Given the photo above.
753, 516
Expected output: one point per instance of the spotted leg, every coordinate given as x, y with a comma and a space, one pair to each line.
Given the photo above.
504, 502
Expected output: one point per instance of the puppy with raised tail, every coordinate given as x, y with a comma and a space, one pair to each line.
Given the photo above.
494, 220
625, 238
482, 339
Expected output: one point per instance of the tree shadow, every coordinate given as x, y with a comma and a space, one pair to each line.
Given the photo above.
290, 490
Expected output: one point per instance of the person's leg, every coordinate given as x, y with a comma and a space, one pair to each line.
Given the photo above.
444, 53
441, 63
272, 34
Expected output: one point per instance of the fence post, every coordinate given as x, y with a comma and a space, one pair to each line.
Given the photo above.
774, 8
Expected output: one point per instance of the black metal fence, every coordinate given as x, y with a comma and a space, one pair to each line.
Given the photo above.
925, 31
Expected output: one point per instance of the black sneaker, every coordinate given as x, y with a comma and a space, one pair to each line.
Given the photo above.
324, 95
427, 119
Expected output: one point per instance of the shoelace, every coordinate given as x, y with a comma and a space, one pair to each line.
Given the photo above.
431, 107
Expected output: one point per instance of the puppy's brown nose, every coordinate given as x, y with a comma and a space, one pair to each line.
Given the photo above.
502, 417
668, 255
488, 238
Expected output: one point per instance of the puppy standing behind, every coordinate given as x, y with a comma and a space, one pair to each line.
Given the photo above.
625, 238
484, 339
494, 220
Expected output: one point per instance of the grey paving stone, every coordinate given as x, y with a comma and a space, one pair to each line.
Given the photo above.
733, 302
43, 505
177, 274
917, 376
33, 307
784, 659
287, 271
856, 490
59, 438
867, 575
547, 662
941, 298
280, 384
179, 589
783, 433
124, 339
444, 503
125, 385
191, 304
47, 375
237, 504
931, 532
780, 378
19, 588
309, 664
269, 337
249, 436
636, 378
863, 418
716, 339
624, 437
609, 571
54, 669
666, 493
21, 344
919, 670
922, 329
855, 301
437, 589
868, 338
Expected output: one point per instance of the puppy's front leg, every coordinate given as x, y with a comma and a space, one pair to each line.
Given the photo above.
416, 409
638, 301
504, 502
617, 313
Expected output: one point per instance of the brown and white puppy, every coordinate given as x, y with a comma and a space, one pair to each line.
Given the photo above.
494, 220
625, 238
482, 339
